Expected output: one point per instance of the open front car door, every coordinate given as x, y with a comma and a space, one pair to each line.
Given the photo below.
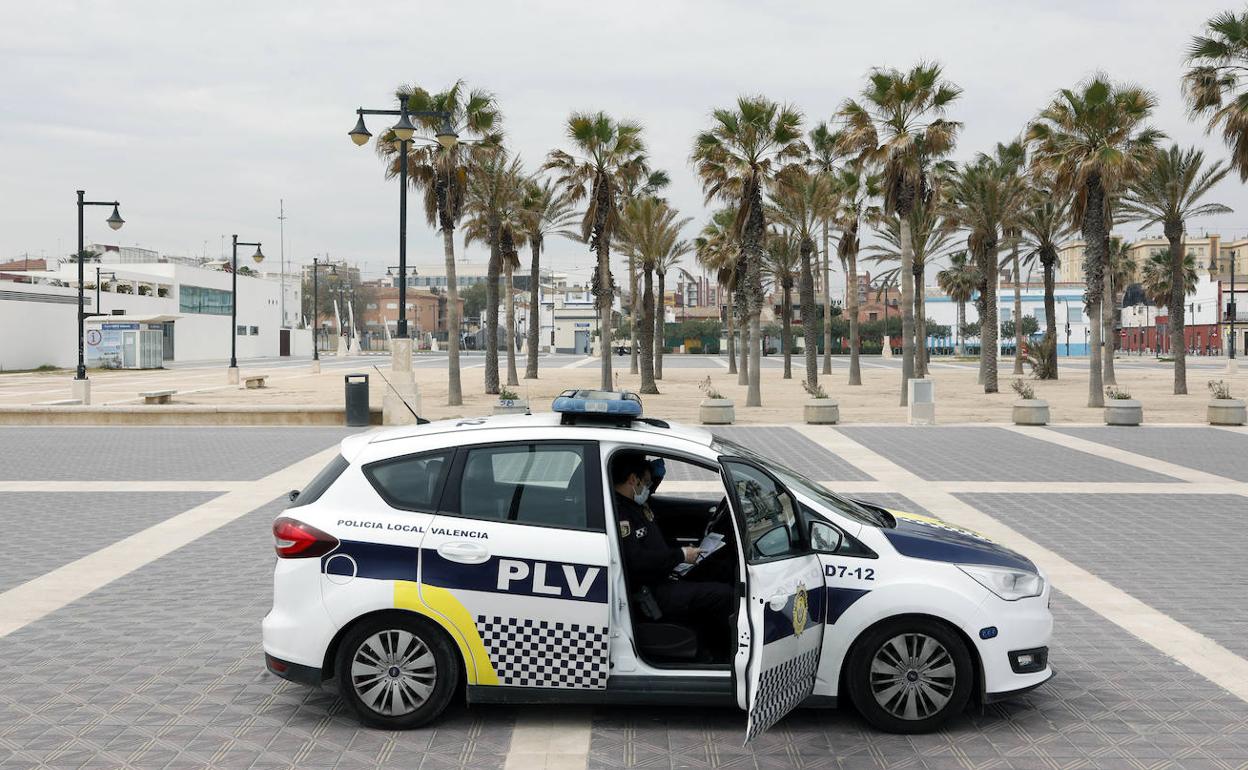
785, 596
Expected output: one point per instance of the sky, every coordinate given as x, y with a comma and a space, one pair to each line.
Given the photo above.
201, 116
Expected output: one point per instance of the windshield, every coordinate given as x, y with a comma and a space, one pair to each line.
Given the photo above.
812, 489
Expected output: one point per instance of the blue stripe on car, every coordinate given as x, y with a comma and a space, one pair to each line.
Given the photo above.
921, 540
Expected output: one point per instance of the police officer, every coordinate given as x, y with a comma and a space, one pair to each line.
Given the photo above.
649, 559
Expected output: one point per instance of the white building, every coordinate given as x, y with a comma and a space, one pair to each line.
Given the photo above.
1069, 311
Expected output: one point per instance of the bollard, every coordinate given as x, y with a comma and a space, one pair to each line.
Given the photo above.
356, 386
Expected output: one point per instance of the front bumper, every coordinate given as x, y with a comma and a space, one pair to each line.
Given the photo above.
1023, 625
997, 697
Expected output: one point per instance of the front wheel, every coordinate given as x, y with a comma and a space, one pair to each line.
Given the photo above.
910, 675
396, 672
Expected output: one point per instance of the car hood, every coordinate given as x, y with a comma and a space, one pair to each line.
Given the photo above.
923, 537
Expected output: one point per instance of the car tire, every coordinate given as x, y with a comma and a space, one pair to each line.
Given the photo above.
910, 675
396, 671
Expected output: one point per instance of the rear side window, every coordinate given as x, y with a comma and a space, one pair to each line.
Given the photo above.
413, 482
321, 482
544, 484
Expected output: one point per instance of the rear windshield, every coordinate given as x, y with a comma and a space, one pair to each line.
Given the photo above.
317, 486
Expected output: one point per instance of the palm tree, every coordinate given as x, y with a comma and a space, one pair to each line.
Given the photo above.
801, 203
1213, 85
610, 156
781, 264
735, 159
669, 254
1012, 157
716, 250
492, 201
931, 237
1120, 269
985, 198
544, 211
959, 282
441, 173
856, 189
1168, 194
649, 185
1156, 280
899, 126
1093, 141
823, 160
1045, 222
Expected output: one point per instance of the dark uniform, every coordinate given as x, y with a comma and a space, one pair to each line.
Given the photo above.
649, 559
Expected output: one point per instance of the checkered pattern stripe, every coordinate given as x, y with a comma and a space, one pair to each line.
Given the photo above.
780, 689
539, 653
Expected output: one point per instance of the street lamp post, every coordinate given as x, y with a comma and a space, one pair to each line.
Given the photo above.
1231, 313
82, 386
98, 276
232, 372
316, 317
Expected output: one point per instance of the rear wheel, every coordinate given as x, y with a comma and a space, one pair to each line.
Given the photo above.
396, 671
910, 675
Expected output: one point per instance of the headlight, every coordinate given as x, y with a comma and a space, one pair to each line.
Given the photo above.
1009, 584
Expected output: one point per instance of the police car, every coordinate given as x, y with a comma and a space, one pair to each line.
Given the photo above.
485, 554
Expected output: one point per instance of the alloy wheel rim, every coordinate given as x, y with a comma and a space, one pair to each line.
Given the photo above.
393, 672
912, 676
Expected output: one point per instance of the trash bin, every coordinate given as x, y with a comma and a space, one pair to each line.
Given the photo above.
357, 400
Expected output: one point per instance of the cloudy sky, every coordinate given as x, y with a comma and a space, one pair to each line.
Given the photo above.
201, 116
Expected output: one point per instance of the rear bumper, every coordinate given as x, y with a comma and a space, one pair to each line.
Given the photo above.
295, 672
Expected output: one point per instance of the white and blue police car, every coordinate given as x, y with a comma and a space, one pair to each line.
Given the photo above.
486, 554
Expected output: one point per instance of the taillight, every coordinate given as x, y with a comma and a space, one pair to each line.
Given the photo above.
295, 540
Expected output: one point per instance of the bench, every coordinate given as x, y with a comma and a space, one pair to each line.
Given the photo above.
157, 396
253, 381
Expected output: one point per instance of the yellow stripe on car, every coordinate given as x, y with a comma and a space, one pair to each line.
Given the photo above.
441, 606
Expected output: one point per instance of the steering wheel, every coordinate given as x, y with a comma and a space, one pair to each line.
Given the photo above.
721, 510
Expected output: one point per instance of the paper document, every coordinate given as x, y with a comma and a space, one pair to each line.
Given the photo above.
709, 545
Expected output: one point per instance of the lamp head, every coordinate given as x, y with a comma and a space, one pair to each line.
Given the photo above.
404, 130
258, 256
115, 221
360, 134
446, 135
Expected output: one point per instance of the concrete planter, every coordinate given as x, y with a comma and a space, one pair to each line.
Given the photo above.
1031, 411
511, 406
821, 411
1227, 411
1123, 411
716, 411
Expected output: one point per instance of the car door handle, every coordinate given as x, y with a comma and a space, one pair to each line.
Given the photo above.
777, 601
464, 553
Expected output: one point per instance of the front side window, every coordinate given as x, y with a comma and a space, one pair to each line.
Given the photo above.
772, 526
541, 484
413, 483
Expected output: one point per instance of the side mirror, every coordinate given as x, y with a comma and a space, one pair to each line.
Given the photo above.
292, 495
824, 537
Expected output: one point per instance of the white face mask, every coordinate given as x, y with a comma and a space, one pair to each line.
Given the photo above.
641, 497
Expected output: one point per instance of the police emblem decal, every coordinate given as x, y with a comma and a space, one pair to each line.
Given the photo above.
801, 610
625, 529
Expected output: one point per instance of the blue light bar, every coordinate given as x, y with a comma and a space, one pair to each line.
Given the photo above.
610, 404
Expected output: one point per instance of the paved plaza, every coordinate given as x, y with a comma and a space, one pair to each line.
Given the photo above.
139, 564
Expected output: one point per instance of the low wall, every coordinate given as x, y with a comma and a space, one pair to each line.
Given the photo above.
178, 414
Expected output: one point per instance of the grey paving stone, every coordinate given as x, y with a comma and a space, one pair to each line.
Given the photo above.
1116, 703
1211, 450
163, 668
1181, 554
787, 446
90, 453
975, 453
46, 530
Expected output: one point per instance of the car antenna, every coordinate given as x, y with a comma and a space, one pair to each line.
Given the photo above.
419, 420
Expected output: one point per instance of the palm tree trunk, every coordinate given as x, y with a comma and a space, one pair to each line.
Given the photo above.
988, 326
454, 394
730, 314
1109, 307
786, 332
753, 243
606, 330
659, 325
1018, 310
806, 295
743, 368
1050, 310
535, 310
907, 308
491, 308
920, 327
510, 333
827, 302
1094, 230
632, 313
647, 331
1178, 302
961, 348
851, 307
